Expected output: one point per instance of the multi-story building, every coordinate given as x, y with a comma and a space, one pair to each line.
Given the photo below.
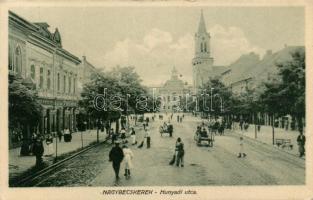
37, 55
85, 72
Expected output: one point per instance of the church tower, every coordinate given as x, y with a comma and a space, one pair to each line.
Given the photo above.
202, 62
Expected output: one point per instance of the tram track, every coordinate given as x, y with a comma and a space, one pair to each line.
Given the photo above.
40, 176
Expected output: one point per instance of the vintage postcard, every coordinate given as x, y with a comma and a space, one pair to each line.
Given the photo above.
156, 100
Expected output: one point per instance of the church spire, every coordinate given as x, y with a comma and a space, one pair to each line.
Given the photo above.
202, 27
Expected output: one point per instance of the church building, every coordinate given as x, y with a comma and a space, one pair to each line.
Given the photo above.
202, 63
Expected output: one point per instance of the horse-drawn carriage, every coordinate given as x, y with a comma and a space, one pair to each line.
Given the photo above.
166, 128
202, 137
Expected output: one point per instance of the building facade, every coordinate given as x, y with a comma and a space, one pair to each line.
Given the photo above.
171, 93
37, 55
85, 72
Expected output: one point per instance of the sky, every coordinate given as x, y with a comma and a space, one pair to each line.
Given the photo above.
155, 39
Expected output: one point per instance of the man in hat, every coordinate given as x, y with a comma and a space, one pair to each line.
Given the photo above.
116, 156
301, 143
38, 151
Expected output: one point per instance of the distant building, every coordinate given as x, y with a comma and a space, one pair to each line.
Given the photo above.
37, 55
202, 63
249, 70
171, 92
85, 72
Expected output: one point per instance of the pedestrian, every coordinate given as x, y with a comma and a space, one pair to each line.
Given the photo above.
123, 135
177, 118
148, 138
60, 135
116, 156
180, 152
33, 141
128, 156
38, 151
170, 129
241, 150
301, 143
133, 136
241, 124
113, 135
49, 142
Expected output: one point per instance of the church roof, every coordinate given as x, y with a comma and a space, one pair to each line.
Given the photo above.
202, 27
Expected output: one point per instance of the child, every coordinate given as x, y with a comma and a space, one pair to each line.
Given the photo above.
241, 151
128, 156
133, 136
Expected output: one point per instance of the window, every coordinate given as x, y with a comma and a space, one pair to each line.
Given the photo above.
69, 84
201, 47
168, 98
205, 47
11, 58
58, 82
64, 84
41, 78
48, 79
32, 72
18, 60
74, 85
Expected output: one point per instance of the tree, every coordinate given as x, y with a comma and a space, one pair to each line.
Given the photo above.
122, 88
286, 94
216, 97
24, 109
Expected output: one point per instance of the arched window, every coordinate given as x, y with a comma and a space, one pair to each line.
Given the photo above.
33, 72
201, 47
205, 49
18, 60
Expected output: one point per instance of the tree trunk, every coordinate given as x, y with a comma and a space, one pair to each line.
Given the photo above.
300, 123
117, 125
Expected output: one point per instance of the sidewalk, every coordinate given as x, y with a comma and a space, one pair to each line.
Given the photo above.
19, 164
265, 136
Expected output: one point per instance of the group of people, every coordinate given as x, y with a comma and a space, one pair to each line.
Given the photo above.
117, 155
178, 157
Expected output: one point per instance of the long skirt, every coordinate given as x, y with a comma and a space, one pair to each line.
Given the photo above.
50, 149
301, 149
133, 139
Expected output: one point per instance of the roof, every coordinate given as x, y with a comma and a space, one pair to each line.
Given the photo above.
268, 65
38, 33
249, 66
241, 65
202, 27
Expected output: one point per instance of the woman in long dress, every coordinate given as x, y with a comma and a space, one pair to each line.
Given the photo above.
128, 156
133, 136
49, 142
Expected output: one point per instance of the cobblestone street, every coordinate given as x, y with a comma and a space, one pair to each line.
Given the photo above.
217, 165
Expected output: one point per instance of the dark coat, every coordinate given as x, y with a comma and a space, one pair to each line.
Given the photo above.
116, 154
38, 148
170, 128
301, 140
